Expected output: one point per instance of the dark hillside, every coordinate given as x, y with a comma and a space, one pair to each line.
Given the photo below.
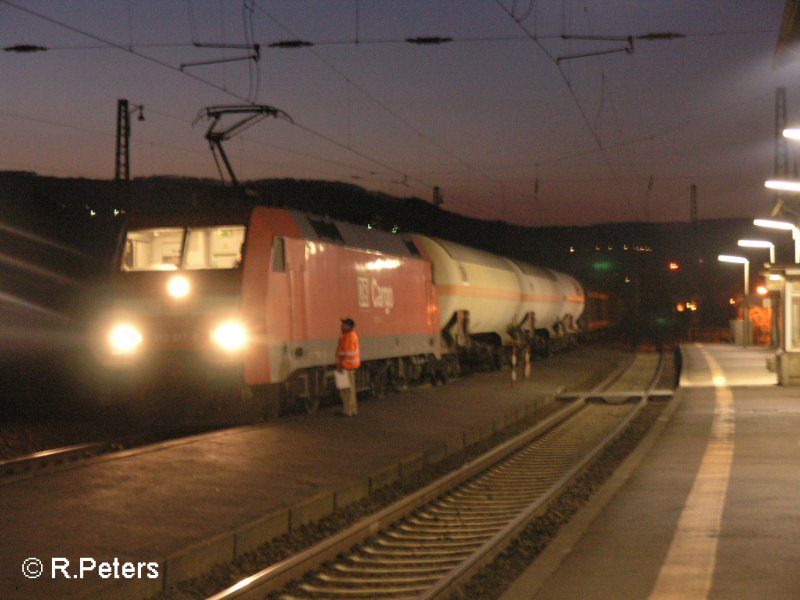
629, 259
57, 237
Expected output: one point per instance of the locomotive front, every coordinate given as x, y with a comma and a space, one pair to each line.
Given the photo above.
176, 296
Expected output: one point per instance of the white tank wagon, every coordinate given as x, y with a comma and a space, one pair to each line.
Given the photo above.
541, 298
491, 299
574, 300
472, 284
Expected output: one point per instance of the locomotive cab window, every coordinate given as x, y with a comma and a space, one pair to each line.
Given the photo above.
278, 255
412, 248
326, 231
172, 248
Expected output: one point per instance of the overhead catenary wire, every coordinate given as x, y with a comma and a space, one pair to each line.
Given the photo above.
360, 170
521, 6
573, 95
252, 58
470, 167
599, 62
684, 124
298, 43
164, 64
381, 104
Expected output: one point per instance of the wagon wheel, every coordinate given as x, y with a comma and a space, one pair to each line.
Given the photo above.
432, 370
449, 368
442, 371
499, 359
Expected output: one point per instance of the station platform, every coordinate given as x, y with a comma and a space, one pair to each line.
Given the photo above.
173, 510
708, 506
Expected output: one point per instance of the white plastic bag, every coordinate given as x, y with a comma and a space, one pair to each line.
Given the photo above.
342, 380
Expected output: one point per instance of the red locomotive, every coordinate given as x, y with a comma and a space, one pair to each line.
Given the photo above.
256, 298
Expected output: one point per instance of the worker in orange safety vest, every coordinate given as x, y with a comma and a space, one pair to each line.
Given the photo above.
348, 359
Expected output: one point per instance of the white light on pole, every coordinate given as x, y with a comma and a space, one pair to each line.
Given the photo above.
743, 261
760, 244
785, 185
792, 133
785, 226
734, 259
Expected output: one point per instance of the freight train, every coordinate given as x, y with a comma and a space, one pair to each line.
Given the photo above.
256, 298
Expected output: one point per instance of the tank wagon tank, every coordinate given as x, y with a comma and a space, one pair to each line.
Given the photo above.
255, 299
489, 303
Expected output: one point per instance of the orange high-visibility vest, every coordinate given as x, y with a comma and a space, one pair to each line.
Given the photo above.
348, 355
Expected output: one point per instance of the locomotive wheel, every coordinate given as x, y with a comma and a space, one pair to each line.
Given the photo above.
377, 384
272, 407
400, 384
311, 404
267, 398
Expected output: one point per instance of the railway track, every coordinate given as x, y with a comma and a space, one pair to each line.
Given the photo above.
431, 543
44, 461
48, 458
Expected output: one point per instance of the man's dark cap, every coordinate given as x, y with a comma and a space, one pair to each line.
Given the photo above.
349, 322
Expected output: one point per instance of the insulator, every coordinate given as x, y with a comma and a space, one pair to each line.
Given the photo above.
291, 44
429, 40
25, 48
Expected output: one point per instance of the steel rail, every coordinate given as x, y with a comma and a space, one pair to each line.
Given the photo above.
18, 467
489, 551
28, 462
278, 575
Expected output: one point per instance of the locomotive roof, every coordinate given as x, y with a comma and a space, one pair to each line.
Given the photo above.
354, 236
186, 218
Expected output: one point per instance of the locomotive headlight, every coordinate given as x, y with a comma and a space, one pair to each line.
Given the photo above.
178, 287
230, 336
124, 338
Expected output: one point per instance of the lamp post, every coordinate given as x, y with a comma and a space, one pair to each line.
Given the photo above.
743, 261
785, 226
760, 244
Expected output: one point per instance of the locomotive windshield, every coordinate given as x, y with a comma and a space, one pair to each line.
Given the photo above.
172, 248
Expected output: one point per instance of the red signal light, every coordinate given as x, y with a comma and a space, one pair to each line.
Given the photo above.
673, 266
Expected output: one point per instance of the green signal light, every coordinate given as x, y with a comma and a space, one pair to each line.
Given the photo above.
602, 265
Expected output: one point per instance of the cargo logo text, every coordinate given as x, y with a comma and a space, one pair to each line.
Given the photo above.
372, 294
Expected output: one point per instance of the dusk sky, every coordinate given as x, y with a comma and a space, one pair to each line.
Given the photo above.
504, 119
